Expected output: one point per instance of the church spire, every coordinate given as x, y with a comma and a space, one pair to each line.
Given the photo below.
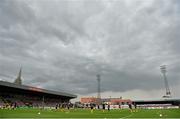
18, 80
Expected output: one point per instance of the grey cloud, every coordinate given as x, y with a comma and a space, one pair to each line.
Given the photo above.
63, 45
14, 12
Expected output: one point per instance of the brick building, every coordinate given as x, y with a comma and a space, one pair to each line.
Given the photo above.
85, 100
112, 101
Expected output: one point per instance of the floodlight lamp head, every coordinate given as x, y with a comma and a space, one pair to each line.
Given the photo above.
98, 77
163, 68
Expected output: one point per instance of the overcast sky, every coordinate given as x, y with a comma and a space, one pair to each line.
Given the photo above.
63, 45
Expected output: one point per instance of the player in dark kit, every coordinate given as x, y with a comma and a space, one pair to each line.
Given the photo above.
130, 107
56, 106
98, 106
103, 106
108, 107
92, 107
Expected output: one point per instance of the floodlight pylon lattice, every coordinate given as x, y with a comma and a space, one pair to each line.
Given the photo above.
164, 71
98, 89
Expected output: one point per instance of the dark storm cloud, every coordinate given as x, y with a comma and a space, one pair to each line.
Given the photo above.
63, 45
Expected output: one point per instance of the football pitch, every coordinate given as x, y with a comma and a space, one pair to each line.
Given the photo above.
86, 113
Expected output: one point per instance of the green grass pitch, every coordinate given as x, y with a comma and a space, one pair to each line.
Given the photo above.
86, 113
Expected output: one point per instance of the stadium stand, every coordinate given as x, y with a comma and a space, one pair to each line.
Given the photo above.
159, 103
1, 102
14, 95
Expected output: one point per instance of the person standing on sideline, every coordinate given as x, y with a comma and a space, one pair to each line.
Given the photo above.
103, 106
92, 107
130, 107
108, 107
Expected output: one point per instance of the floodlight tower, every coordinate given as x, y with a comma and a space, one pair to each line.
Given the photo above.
163, 71
18, 80
99, 89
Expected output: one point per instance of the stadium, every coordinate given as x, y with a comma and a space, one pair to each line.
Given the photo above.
22, 101
89, 59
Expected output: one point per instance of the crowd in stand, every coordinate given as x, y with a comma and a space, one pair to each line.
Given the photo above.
17, 101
